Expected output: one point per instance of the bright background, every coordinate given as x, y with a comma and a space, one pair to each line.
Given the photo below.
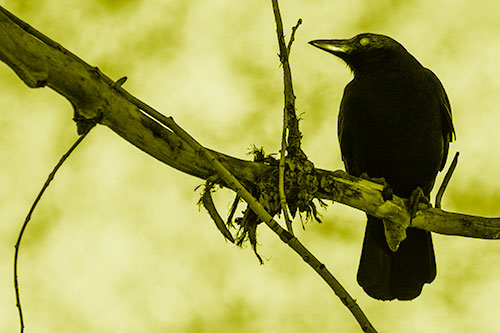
118, 244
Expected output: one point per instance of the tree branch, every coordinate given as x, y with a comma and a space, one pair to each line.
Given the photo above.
92, 93
366, 195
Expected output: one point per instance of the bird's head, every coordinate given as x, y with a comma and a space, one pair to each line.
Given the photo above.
366, 52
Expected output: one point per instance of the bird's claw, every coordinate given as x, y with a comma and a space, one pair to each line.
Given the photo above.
387, 192
417, 201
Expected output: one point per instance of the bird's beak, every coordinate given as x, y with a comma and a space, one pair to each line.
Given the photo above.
335, 46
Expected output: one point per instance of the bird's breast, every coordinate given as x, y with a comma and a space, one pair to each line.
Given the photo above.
390, 127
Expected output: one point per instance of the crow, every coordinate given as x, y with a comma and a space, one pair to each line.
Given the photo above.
394, 123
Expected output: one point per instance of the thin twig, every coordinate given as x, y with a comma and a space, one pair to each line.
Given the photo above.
289, 108
446, 180
292, 36
28, 217
281, 177
285, 131
292, 125
234, 206
293, 133
209, 205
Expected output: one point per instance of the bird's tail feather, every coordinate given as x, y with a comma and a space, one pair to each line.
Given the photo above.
388, 275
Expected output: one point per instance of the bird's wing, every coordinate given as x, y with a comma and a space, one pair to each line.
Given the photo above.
446, 116
344, 141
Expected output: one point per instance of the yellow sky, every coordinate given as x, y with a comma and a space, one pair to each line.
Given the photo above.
118, 243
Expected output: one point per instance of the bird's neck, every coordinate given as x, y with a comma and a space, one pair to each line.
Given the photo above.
386, 66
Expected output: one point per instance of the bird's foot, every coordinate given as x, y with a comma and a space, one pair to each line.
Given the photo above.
387, 192
417, 201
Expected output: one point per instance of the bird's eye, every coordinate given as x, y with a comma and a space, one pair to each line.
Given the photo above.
364, 41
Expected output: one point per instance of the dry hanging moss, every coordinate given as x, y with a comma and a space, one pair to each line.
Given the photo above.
301, 184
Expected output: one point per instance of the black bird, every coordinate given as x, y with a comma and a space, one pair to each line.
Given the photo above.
395, 122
